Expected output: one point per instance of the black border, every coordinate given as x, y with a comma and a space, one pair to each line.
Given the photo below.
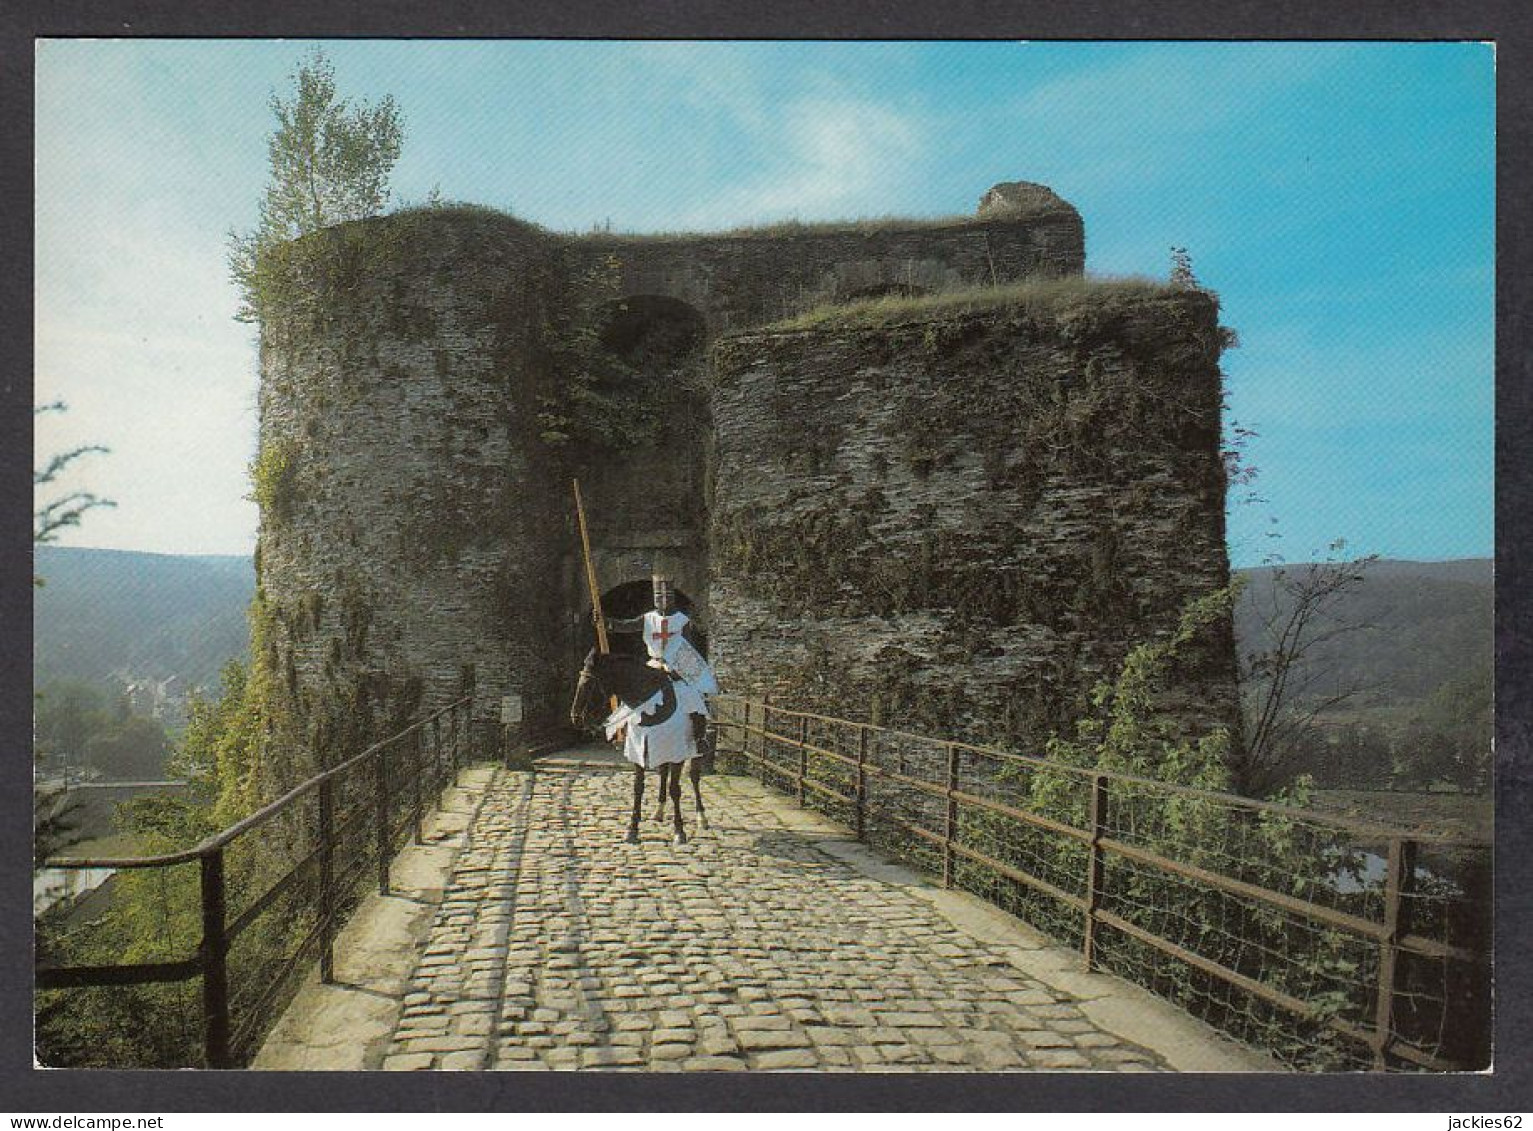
1506, 22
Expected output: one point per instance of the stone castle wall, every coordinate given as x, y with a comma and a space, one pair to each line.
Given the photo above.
954, 521
418, 518
407, 415
756, 276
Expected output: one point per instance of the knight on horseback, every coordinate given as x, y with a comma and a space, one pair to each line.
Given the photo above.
670, 638
670, 642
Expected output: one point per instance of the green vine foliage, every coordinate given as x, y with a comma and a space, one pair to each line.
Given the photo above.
1128, 732
580, 406
600, 397
274, 479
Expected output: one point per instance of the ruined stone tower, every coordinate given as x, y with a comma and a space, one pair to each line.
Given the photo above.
428, 394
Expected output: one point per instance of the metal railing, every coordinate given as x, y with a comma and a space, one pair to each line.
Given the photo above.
323, 840
1298, 931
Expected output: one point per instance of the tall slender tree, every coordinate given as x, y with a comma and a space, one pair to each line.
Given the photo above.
329, 161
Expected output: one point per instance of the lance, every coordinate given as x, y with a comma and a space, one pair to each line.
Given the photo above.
585, 547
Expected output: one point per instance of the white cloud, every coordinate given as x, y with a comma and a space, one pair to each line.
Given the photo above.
839, 155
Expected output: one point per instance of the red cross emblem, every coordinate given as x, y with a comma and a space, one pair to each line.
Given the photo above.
664, 635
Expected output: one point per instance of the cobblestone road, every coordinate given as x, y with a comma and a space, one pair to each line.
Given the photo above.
557, 946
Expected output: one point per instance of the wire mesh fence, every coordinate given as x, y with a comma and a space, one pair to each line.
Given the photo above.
264, 897
1333, 944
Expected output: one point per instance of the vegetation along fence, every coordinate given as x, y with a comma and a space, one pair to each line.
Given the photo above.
268, 894
1332, 943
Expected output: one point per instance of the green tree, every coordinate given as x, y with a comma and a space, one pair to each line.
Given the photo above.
329, 162
1447, 739
132, 748
69, 714
1286, 683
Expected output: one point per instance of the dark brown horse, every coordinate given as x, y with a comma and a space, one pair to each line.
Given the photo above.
666, 727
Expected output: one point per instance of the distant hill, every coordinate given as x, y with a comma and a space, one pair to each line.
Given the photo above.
155, 615
1428, 624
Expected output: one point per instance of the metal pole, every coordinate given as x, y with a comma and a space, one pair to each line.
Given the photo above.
862, 781
381, 783
803, 756
416, 762
436, 754
1094, 872
327, 880
215, 964
951, 833
1398, 880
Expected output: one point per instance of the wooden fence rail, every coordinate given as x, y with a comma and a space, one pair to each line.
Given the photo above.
393, 809
958, 807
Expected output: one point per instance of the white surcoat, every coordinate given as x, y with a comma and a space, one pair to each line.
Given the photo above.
672, 741
664, 641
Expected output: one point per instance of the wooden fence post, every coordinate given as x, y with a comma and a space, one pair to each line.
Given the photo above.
862, 782
417, 763
803, 755
1094, 873
215, 963
436, 755
951, 832
381, 803
1399, 879
463, 749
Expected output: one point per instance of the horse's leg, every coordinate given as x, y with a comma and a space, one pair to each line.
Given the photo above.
698, 761
675, 786
638, 804
665, 777
695, 766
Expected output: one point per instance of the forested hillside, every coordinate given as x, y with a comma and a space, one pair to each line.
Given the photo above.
152, 615
1420, 661
1413, 644
1422, 625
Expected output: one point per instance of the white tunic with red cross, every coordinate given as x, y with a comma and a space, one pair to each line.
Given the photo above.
664, 642
672, 740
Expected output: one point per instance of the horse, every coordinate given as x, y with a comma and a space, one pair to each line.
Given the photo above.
665, 720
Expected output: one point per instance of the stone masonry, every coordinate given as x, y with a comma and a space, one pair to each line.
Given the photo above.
559, 947
955, 519
422, 532
523, 933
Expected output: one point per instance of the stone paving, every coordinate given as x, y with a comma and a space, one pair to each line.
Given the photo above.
754, 946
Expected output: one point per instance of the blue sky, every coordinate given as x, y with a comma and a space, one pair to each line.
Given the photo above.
1338, 197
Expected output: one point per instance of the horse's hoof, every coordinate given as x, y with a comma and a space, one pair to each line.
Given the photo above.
679, 838
702, 822
632, 837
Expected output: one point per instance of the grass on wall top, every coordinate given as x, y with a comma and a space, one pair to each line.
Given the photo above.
1056, 295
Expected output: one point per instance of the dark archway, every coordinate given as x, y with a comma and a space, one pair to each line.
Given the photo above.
653, 332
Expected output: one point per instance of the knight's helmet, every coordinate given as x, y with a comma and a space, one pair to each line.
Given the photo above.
665, 593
